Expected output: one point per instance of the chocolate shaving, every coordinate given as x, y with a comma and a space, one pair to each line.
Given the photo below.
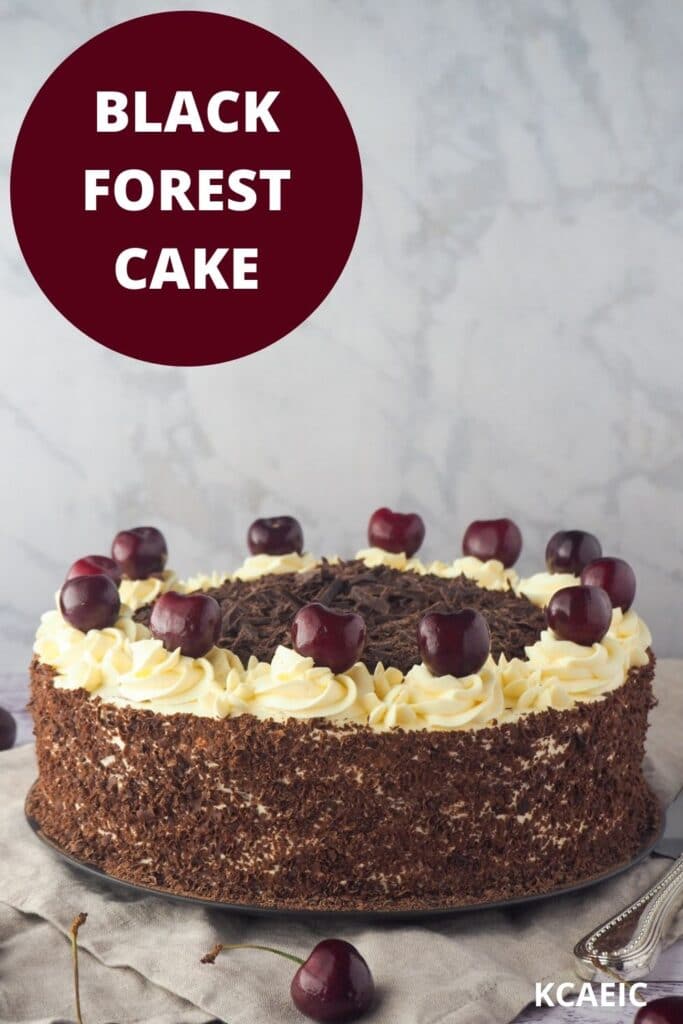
321, 816
257, 615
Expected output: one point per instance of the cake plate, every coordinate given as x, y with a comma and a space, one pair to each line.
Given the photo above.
254, 910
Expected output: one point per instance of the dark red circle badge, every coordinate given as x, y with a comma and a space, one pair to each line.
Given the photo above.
186, 188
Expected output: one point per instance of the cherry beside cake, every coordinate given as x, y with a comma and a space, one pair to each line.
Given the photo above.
378, 733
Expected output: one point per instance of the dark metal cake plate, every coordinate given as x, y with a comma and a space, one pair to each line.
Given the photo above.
255, 910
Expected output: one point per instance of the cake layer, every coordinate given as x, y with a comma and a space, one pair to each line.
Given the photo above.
313, 814
257, 614
124, 664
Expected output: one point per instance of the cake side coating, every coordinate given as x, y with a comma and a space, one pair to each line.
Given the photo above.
310, 814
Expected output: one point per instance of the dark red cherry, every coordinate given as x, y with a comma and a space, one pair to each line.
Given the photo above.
331, 638
90, 602
615, 576
493, 538
8, 730
581, 614
571, 550
191, 622
95, 565
277, 535
140, 552
454, 643
667, 1010
398, 532
334, 984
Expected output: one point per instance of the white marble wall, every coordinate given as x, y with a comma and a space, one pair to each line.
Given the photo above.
506, 338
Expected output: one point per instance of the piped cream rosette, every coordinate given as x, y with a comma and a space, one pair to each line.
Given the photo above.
294, 687
558, 673
542, 586
491, 575
633, 635
89, 660
137, 593
170, 681
265, 565
203, 582
424, 701
252, 569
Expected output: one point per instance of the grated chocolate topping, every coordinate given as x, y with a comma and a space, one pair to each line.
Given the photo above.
257, 614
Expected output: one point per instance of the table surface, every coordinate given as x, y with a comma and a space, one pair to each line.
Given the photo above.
666, 979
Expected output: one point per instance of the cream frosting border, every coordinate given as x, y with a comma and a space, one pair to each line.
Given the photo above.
124, 665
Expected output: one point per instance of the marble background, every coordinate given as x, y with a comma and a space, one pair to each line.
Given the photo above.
506, 338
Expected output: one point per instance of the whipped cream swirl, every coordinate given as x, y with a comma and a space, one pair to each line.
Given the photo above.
263, 565
88, 660
558, 673
372, 557
540, 587
160, 677
137, 593
425, 701
294, 687
632, 633
203, 582
491, 575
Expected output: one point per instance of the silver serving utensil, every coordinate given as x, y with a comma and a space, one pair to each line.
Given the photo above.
627, 946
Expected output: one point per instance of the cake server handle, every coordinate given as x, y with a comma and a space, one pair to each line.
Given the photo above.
627, 946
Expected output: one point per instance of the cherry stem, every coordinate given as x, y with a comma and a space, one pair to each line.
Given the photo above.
75, 925
210, 957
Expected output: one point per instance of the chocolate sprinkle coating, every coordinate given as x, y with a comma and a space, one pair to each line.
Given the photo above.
314, 815
257, 614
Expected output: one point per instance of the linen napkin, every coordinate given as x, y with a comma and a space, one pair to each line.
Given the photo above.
140, 955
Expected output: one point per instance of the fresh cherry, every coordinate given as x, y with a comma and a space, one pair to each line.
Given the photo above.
571, 550
191, 622
8, 730
333, 984
140, 552
331, 638
398, 532
454, 643
90, 602
581, 614
277, 535
95, 565
667, 1010
493, 538
615, 576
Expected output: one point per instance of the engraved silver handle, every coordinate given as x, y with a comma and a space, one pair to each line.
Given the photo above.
628, 945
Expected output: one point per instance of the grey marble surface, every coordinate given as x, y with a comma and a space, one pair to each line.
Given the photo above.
504, 340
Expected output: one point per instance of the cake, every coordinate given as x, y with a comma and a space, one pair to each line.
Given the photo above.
371, 734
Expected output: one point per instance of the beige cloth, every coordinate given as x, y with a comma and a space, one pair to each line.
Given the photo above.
141, 956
